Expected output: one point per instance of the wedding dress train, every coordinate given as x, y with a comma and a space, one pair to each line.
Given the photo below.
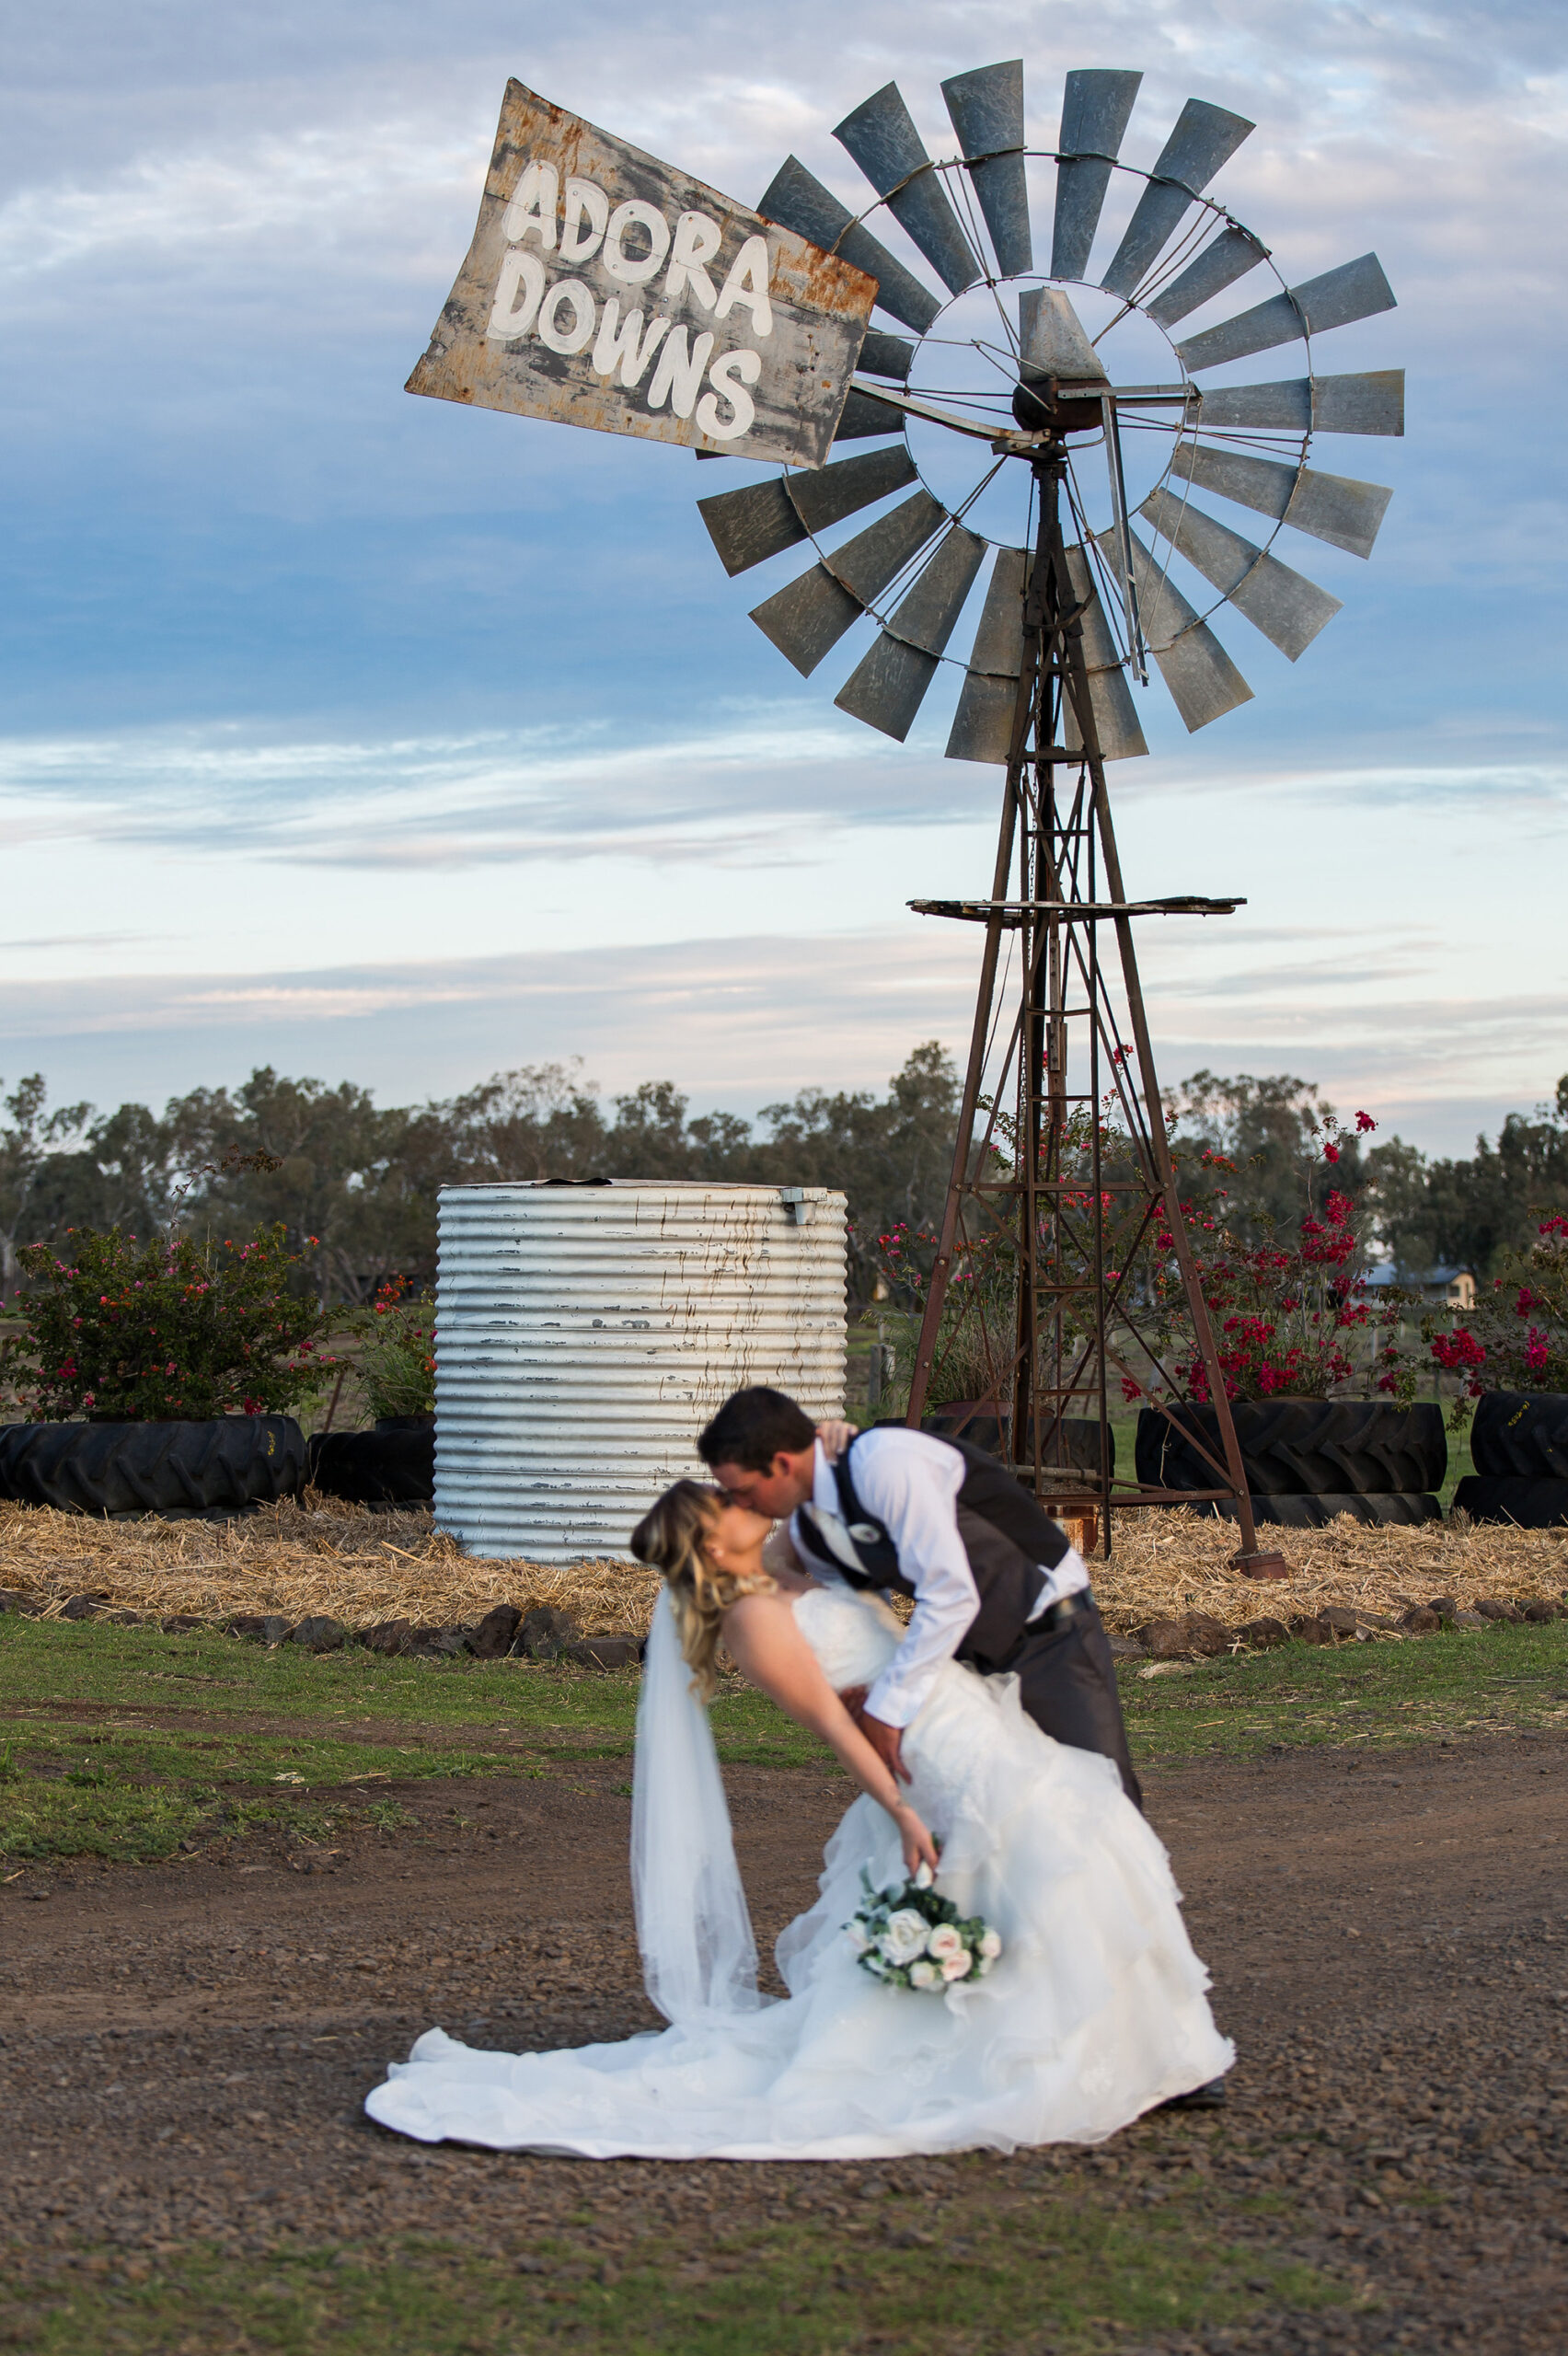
1094, 2012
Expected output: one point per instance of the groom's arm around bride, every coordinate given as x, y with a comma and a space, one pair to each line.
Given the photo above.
994, 1581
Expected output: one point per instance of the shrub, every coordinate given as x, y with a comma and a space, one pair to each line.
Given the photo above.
1518, 1339
397, 1365
130, 1332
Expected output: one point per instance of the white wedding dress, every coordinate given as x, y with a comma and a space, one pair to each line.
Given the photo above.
1095, 2011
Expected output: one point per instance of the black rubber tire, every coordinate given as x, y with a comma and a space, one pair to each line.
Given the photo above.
393, 1465
1399, 1508
1529, 1504
178, 1470
1081, 1433
1522, 1435
1303, 1448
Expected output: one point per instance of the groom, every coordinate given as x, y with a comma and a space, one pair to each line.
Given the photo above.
995, 1581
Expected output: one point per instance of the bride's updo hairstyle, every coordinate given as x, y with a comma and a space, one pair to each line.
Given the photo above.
669, 1539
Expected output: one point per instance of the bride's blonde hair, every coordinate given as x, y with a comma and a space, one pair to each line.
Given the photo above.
670, 1538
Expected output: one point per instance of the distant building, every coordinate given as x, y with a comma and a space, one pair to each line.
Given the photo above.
1449, 1287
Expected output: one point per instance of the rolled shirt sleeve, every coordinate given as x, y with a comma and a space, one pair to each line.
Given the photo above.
909, 1481
910, 1484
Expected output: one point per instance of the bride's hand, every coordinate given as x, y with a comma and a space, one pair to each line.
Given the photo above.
919, 1848
835, 1437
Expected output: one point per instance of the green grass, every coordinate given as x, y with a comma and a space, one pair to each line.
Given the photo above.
102, 1785
984, 2280
97, 1785
1448, 1687
578, 1712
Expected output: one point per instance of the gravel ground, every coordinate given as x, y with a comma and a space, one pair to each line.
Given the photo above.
184, 2048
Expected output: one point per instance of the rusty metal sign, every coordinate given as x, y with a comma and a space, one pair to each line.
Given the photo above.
603, 288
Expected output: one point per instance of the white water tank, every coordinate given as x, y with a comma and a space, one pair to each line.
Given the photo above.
586, 1333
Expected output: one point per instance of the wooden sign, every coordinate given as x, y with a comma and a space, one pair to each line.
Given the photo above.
604, 289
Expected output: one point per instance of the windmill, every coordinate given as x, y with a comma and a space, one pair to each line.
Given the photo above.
1065, 445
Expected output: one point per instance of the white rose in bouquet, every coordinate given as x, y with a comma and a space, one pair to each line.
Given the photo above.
945, 1943
991, 1946
905, 1936
957, 1967
857, 1938
924, 1974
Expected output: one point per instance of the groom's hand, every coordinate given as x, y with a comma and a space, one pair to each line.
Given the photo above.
886, 1741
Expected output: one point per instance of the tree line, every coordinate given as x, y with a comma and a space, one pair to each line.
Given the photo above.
355, 1184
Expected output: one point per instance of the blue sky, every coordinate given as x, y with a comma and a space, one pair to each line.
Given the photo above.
373, 738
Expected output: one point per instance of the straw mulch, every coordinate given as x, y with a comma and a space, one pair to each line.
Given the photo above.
1165, 1563
297, 1559
318, 1556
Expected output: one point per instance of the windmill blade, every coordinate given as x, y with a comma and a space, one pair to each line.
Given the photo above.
810, 617
1204, 138
1356, 290
1289, 609
864, 417
1111, 699
888, 687
796, 201
885, 355
1204, 681
1051, 338
985, 108
1369, 403
882, 137
982, 726
762, 519
1230, 257
1331, 507
827, 495
1096, 105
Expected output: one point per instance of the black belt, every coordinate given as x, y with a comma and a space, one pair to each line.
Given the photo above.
1063, 1613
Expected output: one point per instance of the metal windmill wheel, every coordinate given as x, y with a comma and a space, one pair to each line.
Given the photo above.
1003, 353
1120, 423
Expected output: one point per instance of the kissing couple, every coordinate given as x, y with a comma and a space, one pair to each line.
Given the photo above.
987, 1738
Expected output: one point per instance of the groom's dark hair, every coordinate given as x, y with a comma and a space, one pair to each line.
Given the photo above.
754, 1426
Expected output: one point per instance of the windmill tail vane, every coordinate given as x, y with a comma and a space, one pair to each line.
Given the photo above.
1039, 448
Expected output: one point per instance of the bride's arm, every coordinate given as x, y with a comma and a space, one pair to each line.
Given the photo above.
767, 1648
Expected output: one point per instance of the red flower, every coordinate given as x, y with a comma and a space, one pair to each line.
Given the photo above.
1363, 1122
1330, 1153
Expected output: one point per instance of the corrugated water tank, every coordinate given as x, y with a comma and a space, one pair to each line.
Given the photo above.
586, 1333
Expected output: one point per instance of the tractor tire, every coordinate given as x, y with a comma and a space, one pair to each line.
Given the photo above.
1522, 1435
1302, 1448
1400, 1508
392, 1465
1080, 1437
1529, 1504
181, 1471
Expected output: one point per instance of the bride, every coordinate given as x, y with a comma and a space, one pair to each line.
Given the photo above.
1094, 2012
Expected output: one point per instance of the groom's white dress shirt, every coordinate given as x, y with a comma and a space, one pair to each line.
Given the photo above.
909, 1482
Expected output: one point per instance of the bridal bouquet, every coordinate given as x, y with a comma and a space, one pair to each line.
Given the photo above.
909, 1937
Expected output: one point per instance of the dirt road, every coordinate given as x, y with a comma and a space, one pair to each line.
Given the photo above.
184, 2048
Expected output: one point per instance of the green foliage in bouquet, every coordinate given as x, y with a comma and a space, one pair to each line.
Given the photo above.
122, 1332
396, 1364
909, 1937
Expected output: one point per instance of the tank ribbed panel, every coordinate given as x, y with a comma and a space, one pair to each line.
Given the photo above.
585, 1335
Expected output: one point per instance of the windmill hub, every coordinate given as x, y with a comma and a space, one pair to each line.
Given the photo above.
1045, 404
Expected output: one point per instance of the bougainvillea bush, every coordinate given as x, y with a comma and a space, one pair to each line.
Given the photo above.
1288, 1318
1516, 1338
123, 1331
396, 1364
